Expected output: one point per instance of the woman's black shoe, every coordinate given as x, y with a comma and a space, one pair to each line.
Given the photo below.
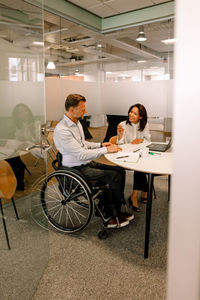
143, 200
137, 209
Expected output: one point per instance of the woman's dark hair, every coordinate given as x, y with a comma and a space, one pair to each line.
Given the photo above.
142, 113
73, 100
16, 115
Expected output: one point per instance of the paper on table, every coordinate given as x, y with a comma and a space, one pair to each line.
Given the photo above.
125, 156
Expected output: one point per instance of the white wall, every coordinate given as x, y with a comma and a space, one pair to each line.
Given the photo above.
110, 98
58, 89
156, 96
184, 233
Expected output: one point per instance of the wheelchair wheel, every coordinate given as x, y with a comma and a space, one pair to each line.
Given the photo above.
66, 201
102, 235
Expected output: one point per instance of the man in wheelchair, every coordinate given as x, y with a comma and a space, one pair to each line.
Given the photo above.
78, 153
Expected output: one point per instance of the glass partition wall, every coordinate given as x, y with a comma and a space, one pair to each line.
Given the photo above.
114, 64
77, 53
22, 113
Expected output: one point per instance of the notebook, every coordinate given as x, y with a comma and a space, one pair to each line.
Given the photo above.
159, 146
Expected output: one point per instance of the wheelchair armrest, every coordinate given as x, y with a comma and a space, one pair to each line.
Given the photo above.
55, 164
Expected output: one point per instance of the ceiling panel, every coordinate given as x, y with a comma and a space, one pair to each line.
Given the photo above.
107, 8
103, 10
128, 5
85, 3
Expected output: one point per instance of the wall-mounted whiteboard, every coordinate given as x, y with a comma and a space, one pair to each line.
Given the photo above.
110, 98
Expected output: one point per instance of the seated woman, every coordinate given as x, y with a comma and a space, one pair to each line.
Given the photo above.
27, 133
24, 122
135, 131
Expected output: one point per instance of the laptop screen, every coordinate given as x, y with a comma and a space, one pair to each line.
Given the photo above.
159, 146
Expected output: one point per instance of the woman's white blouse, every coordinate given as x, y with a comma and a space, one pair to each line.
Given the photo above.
131, 132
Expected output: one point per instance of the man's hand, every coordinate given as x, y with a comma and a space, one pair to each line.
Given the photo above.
137, 141
113, 148
120, 131
105, 144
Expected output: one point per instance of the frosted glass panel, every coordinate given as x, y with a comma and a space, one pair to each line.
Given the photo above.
22, 111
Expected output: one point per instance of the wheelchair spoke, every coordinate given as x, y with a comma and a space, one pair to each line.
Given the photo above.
60, 214
76, 211
82, 204
67, 215
53, 208
70, 218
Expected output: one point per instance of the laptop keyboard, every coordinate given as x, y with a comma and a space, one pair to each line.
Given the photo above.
158, 147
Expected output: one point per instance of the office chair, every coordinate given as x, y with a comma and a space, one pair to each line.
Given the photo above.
8, 184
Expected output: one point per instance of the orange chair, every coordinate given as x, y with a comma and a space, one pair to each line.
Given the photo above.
8, 184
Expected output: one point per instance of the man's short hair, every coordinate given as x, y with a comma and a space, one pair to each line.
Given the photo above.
73, 100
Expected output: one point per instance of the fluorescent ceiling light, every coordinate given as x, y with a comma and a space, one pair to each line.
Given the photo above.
169, 41
38, 43
141, 61
51, 65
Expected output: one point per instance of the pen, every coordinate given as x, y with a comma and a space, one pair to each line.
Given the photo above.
136, 150
122, 156
152, 153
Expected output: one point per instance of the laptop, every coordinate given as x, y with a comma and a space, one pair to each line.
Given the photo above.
159, 147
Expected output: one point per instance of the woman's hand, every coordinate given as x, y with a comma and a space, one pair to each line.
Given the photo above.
137, 141
120, 131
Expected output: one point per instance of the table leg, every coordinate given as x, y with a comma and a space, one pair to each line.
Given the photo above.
169, 186
148, 214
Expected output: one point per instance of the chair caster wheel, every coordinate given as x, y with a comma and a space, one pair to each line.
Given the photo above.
102, 235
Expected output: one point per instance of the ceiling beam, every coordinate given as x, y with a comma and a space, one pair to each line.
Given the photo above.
137, 17
83, 17
70, 12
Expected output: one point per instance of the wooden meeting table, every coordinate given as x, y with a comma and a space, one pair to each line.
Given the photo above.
156, 163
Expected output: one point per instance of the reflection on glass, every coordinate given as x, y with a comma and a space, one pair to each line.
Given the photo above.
22, 69
22, 111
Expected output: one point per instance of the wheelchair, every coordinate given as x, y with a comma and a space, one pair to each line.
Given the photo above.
69, 201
